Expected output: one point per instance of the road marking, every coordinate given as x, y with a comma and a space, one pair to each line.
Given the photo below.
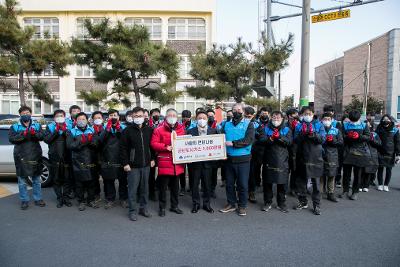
4, 192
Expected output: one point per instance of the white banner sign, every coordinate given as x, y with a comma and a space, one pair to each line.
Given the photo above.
188, 149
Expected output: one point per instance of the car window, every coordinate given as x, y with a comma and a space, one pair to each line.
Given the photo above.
4, 137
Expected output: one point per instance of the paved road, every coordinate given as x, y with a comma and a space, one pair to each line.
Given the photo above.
351, 233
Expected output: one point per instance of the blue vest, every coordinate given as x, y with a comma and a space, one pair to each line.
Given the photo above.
348, 126
113, 131
19, 127
333, 131
76, 132
237, 132
317, 126
52, 128
283, 131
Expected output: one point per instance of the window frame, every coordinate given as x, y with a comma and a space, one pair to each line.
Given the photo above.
175, 23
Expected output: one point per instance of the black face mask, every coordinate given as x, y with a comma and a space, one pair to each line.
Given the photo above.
237, 116
386, 123
146, 121
114, 120
156, 118
264, 118
228, 118
211, 119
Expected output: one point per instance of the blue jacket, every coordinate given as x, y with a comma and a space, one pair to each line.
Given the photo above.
242, 137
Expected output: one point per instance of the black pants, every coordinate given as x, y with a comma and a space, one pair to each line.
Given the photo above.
357, 172
203, 175
152, 181
83, 187
60, 175
163, 181
255, 175
366, 179
214, 179
302, 190
387, 177
110, 191
182, 179
280, 194
293, 178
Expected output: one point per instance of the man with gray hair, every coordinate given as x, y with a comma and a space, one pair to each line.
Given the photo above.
239, 135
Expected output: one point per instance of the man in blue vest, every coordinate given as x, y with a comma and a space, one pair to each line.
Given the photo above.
239, 134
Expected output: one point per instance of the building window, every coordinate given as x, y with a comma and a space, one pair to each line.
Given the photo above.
48, 72
186, 29
185, 66
85, 107
84, 71
10, 104
153, 25
81, 31
44, 27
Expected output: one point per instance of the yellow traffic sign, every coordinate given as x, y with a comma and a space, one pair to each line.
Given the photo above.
341, 14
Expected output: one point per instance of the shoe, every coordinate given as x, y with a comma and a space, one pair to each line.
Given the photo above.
222, 184
365, 189
349, 195
40, 203
212, 194
176, 210
339, 185
208, 209
317, 210
59, 203
161, 213
24, 205
386, 188
81, 206
301, 206
360, 190
67, 202
354, 196
380, 187
372, 183
196, 208
93, 204
109, 204
124, 204
97, 199
266, 207
228, 208
133, 217
71, 195
242, 212
342, 195
252, 197
332, 197
282, 208
182, 192
145, 213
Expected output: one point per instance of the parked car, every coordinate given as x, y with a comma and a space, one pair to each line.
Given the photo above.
7, 166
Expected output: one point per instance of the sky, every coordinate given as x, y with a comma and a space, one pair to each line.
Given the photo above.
239, 18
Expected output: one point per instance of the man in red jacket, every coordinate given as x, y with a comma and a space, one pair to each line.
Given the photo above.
168, 172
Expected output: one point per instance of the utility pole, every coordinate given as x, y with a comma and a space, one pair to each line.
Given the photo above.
305, 53
366, 81
269, 26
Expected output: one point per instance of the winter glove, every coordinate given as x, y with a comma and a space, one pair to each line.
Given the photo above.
353, 135
58, 128
118, 126
33, 132
294, 124
371, 137
304, 128
83, 139
90, 138
109, 126
329, 138
275, 135
311, 132
26, 132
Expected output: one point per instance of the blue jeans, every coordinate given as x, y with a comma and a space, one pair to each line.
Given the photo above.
23, 190
237, 174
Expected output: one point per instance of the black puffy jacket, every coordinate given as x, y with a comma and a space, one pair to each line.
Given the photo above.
390, 138
331, 154
356, 151
27, 150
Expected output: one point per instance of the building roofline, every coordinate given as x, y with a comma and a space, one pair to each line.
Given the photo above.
329, 62
371, 40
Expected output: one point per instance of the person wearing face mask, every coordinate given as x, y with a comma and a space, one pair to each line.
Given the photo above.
110, 166
389, 152
201, 170
333, 140
168, 172
155, 120
98, 127
137, 157
309, 137
292, 121
188, 124
239, 135
211, 119
60, 165
129, 118
82, 143
25, 135
146, 117
276, 138
369, 172
356, 153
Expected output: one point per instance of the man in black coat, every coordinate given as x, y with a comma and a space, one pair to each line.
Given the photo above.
25, 136
60, 160
137, 157
201, 170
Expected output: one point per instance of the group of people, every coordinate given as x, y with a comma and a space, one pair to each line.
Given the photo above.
298, 151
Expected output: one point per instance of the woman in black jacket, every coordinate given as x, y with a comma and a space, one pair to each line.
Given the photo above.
389, 151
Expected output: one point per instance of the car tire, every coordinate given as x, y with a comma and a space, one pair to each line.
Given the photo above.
45, 176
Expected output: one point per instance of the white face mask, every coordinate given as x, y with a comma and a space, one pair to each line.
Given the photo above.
129, 119
172, 120
276, 123
307, 118
138, 121
301, 118
327, 123
202, 123
59, 119
98, 121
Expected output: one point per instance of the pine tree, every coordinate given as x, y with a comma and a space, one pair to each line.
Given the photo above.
22, 56
124, 55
